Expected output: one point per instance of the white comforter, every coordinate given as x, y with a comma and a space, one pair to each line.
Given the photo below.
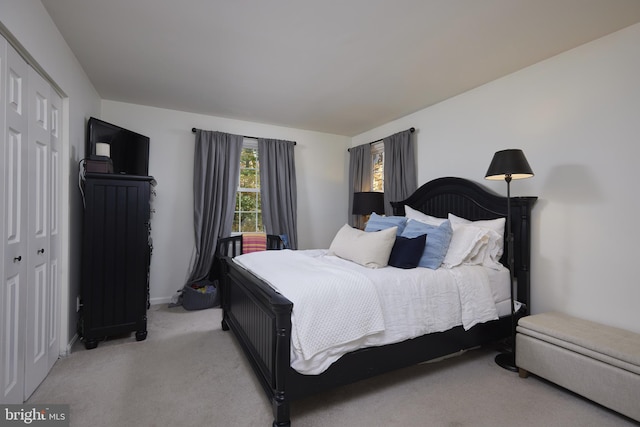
340, 306
332, 305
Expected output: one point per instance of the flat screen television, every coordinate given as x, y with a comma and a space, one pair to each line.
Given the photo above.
129, 151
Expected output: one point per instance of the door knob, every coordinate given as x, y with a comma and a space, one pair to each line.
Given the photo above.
41, 251
18, 258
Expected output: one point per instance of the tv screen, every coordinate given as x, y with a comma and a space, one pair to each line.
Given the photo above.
129, 151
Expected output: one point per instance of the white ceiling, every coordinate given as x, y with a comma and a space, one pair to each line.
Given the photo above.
335, 66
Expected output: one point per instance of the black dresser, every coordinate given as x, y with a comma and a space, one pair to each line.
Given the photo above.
116, 252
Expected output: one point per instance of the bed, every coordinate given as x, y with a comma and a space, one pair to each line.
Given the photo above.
261, 318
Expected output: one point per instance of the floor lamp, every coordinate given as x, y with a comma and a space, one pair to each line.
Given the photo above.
509, 164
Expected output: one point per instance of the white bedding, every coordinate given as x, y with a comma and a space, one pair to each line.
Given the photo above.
411, 302
333, 305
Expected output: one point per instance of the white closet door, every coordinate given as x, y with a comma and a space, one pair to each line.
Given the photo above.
38, 267
3, 308
53, 295
14, 273
3, 63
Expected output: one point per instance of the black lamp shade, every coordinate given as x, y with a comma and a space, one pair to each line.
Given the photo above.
366, 202
509, 163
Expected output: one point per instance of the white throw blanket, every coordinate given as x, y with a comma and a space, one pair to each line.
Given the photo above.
476, 300
331, 305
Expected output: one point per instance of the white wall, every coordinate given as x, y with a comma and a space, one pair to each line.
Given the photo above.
28, 22
320, 170
576, 116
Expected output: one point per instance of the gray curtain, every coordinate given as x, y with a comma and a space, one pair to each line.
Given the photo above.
278, 188
359, 178
215, 182
400, 179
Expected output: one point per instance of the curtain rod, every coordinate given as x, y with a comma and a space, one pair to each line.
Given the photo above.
412, 130
244, 136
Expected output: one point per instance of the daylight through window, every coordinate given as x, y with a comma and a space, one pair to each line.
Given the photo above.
248, 215
377, 166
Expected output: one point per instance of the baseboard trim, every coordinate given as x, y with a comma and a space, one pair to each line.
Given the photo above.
156, 301
67, 351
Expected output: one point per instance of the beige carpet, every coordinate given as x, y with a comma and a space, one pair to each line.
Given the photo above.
188, 372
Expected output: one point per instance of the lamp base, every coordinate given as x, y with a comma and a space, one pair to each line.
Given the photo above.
507, 361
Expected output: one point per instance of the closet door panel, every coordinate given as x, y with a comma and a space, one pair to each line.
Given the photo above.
14, 280
53, 294
39, 142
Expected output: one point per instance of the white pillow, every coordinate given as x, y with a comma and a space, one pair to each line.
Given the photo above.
411, 213
472, 245
494, 247
496, 225
370, 249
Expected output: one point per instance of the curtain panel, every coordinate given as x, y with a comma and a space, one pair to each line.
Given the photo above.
278, 188
359, 179
400, 178
215, 182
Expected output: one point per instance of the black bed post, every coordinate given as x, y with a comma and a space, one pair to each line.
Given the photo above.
223, 289
280, 400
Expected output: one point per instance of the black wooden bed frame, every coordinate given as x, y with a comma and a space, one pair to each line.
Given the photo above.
260, 318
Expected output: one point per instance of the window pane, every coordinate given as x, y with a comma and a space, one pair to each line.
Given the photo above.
247, 201
249, 168
249, 178
247, 216
248, 222
378, 171
236, 223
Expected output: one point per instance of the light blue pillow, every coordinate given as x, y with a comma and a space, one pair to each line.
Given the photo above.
438, 239
378, 222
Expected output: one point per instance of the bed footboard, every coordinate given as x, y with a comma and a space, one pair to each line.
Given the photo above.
260, 319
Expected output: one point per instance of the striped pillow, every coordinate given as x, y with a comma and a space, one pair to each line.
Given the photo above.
253, 242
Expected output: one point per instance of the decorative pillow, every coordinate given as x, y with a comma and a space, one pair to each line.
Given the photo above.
368, 249
411, 213
407, 251
438, 238
378, 222
496, 225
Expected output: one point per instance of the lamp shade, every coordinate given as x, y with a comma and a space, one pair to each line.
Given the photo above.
509, 163
368, 201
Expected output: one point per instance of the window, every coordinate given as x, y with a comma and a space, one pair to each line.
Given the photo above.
248, 215
377, 166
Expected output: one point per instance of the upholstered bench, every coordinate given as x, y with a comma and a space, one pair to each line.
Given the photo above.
601, 363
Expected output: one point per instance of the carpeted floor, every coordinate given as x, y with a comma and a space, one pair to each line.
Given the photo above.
188, 372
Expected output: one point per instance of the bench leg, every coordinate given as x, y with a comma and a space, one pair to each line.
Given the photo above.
523, 373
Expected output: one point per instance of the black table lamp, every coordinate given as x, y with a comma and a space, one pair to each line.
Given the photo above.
509, 164
366, 202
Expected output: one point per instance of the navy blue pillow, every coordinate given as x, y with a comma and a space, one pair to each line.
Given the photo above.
407, 251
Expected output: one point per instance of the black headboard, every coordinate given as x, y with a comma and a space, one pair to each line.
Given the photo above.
473, 201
